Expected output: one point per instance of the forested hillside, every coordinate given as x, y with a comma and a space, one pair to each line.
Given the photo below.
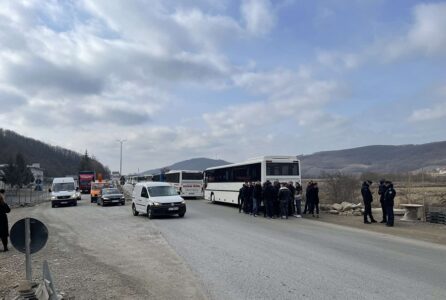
55, 160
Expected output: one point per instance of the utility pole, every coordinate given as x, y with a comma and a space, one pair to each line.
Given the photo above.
120, 160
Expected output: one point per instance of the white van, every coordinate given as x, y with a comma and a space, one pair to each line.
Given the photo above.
63, 192
157, 198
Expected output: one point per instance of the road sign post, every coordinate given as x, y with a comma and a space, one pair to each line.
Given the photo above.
28, 249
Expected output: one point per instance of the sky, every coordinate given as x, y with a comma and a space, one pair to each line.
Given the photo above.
222, 79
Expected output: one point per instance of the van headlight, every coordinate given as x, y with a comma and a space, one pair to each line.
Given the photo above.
183, 202
73, 196
156, 203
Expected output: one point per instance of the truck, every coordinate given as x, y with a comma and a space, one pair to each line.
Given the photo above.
85, 180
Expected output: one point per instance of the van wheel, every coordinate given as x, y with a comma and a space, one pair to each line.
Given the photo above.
149, 213
134, 211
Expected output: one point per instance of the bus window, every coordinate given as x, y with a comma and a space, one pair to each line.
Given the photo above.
282, 169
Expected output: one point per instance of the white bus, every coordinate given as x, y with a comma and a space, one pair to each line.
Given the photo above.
223, 183
187, 182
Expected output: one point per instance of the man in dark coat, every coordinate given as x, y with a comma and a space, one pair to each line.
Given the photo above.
248, 198
241, 197
284, 197
367, 198
382, 191
4, 228
314, 199
268, 198
307, 197
389, 197
256, 198
292, 189
276, 203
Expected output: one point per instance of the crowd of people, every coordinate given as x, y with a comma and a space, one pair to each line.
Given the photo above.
387, 195
280, 200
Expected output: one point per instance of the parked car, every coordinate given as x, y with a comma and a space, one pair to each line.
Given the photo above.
111, 196
157, 199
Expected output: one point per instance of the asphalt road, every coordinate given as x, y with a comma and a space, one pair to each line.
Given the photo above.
240, 257
215, 252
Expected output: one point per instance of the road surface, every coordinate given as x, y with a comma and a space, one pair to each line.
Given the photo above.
215, 252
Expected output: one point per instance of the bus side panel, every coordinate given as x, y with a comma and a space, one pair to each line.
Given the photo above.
223, 192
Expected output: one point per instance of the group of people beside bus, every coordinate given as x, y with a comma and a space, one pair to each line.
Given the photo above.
280, 200
387, 195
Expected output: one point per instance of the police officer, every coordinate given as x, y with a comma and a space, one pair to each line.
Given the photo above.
367, 197
382, 191
284, 197
389, 197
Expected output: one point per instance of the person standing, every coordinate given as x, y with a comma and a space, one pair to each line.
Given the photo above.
241, 197
248, 199
268, 198
307, 197
367, 198
382, 191
256, 198
314, 200
4, 226
276, 202
292, 189
389, 201
298, 200
284, 198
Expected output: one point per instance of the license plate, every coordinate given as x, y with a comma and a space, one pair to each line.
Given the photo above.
173, 208
63, 202
115, 201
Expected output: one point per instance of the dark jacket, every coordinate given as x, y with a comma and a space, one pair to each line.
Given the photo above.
4, 229
269, 193
367, 196
249, 192
382, 191
276, 188
313, 194
389, 195
284, 194
257, 193
292, 191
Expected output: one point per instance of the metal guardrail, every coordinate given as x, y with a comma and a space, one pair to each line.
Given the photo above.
25, 196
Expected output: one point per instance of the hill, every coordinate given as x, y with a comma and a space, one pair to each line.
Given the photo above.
200, 163
377, 159
56, 161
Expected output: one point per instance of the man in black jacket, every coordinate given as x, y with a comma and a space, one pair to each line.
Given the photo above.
389, 197
268, 198
382, 191
284, 198
256, 198
367, 197
241, 197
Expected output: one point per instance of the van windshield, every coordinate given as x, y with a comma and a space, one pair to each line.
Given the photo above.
162, 191
66, 186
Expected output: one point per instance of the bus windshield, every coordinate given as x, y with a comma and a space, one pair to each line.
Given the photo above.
282, 169
162, 191
192, 176
67, 186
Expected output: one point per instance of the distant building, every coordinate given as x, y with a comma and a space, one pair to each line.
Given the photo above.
37, 172
2, 177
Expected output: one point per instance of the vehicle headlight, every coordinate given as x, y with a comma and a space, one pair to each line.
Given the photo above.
156, 203
53, 197
105, 198
183, 202
122, 197
74, 195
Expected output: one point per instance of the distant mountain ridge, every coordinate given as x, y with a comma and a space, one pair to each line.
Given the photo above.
378, 159
200, 163
56, 161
